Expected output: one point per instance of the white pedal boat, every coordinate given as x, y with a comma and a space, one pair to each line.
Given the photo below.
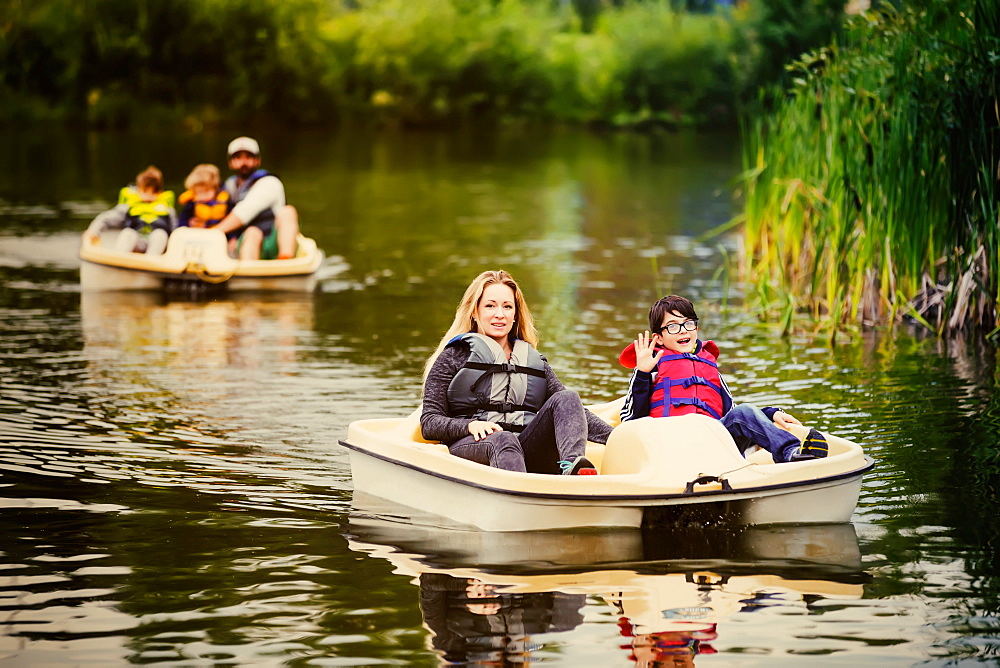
652, 471
195, 257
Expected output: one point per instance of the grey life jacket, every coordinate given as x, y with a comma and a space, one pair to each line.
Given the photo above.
488, 387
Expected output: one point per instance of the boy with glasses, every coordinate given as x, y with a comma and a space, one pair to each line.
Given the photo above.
675, 373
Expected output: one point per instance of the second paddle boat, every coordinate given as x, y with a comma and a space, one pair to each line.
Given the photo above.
195, 257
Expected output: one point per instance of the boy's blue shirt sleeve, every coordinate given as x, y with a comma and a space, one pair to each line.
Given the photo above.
640, 390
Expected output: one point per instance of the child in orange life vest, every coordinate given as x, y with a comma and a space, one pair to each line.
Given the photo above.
675, 373
144, 213
204, 203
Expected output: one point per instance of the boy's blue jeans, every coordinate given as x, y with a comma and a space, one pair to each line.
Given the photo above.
748, 425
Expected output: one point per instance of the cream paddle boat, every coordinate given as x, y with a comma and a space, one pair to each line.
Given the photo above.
653, 471
195, 257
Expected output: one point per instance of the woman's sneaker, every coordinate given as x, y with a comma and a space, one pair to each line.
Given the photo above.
579, 466
814, 447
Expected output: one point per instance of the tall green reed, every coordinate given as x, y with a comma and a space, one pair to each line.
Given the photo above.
868, 189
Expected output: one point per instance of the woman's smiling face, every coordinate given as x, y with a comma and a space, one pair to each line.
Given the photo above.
496, 312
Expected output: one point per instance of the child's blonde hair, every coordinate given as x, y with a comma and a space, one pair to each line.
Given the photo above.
150, 179
203, 175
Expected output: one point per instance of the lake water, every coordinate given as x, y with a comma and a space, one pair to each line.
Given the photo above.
172, 490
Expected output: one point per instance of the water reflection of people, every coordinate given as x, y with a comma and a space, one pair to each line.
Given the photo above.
475, 622
220, 334
676, 647
672, 592
493, 399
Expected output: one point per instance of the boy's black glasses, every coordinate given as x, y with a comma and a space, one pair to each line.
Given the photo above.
676, 327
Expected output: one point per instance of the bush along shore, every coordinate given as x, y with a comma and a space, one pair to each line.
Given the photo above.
871, 188
113, 63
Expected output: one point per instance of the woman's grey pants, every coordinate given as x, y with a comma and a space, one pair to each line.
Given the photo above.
557, 433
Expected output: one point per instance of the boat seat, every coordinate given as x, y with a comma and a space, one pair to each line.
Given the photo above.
685, 447
609, 412
409, 430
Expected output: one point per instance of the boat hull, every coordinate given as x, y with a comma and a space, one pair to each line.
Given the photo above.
826, 502
645, 481
196, 258
483, 507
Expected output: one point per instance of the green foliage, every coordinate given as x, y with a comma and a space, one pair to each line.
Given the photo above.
871, 189
583, 69
778, 32
114, 62
442, 58
110, 62
670, 64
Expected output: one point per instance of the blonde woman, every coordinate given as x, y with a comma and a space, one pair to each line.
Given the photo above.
492, 398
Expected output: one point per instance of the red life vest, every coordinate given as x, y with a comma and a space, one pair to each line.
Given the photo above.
685, 382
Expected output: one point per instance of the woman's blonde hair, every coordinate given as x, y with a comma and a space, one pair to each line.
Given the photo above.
524, 324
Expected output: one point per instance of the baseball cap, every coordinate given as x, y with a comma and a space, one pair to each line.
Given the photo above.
243, 144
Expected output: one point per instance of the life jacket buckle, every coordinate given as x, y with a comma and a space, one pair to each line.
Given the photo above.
694, 380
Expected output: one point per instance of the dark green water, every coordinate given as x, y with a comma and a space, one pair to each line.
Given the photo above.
172, 491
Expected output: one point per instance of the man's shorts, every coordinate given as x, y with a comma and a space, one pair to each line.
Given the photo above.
268, 247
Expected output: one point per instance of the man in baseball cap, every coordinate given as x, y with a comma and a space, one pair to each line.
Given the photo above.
269, 227
243, 144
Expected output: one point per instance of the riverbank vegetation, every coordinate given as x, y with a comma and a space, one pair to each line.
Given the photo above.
872, 186
200, 62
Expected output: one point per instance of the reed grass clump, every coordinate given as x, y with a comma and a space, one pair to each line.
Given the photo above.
871, 189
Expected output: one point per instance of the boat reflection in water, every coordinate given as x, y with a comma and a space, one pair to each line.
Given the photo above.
185, 333
485, 595
472, 621
197, 370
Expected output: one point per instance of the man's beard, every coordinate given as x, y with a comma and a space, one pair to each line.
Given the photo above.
244, 172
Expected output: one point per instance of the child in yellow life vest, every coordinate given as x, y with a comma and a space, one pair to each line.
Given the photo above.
144, 213
203, 204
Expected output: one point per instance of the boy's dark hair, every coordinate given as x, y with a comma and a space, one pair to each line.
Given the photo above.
671, 304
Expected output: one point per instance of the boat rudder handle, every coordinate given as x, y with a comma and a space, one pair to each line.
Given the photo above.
704, 480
